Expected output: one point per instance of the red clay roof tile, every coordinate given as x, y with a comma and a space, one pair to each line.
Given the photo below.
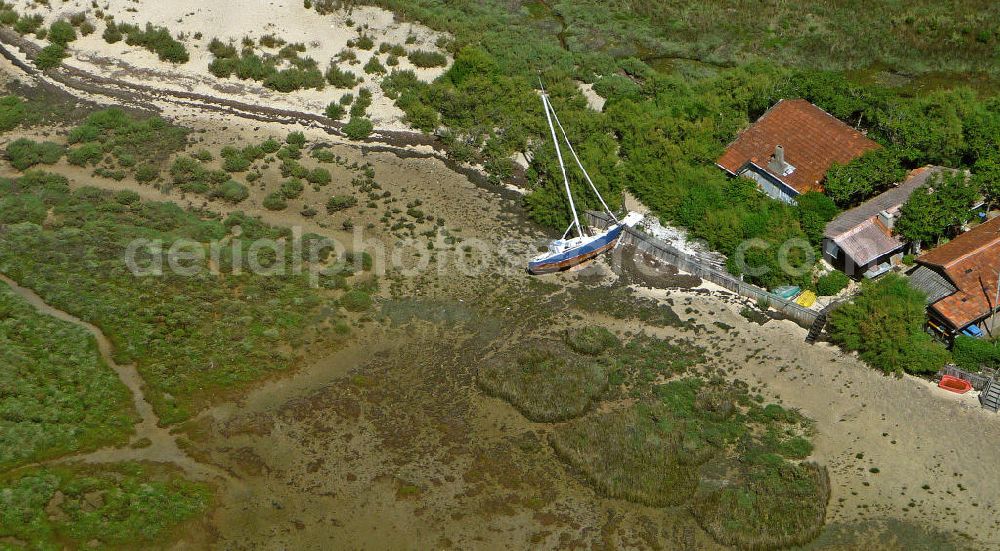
971, 262
812, 139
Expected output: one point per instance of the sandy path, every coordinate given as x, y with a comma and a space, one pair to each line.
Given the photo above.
162, 446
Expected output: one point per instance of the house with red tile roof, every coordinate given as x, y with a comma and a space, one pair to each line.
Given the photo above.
960, 279
791, 147
861, 241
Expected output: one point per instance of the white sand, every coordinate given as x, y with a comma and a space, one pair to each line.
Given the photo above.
594, 100
324, 36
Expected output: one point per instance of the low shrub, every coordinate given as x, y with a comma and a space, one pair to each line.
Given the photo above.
89, 153
832, 283
235, 163
356, 300
340, 202
126, 197
146, 173
24, 153
292, 188
358, 128
51, 56
972, 354
335, 111
12, 112
319, 176
297, 139
374, 66
157, 40
275, 201
232, 192
112, 34
61, 32
425, 59
341, 79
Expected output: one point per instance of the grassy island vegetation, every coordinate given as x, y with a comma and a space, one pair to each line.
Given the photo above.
173, 326
118, 506
56, 393
670, 435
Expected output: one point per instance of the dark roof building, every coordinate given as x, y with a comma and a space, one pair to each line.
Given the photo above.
791, 147
969, 264
861, 240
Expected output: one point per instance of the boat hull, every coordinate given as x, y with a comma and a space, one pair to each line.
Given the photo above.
577, 255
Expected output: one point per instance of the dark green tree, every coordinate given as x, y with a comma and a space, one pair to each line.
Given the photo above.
864, 177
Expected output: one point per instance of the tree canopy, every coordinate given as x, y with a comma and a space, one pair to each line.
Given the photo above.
938, 209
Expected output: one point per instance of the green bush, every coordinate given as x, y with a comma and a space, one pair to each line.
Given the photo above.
374, 66
356, 300
146, 173
319, 176
358, 128
341, 79
127, 197
232, 192
335, 111
364, 42
12, 112
236, 163
89, 153
297, 139
832, 283
24, 153
203, 155
275, 201
270, 145
885, 325
973, 354
340, 202
87, 28
292, 188
51, 56
425, 59
61, 32
28, 24
112, 34
157, 40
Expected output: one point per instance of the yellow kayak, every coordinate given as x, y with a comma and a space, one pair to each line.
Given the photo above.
807, 299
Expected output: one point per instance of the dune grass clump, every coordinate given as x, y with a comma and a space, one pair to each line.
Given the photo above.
24, 153
591, 340
425, 59
545, 385
297, 72
155, 39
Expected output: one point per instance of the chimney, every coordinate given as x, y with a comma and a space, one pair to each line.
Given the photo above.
777, 164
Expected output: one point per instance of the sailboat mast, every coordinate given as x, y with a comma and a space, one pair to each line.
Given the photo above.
584, 170
555, 141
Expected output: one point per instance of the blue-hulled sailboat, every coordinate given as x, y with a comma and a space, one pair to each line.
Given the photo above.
565, 253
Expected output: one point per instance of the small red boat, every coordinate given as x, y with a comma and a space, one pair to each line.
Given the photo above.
954, 384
